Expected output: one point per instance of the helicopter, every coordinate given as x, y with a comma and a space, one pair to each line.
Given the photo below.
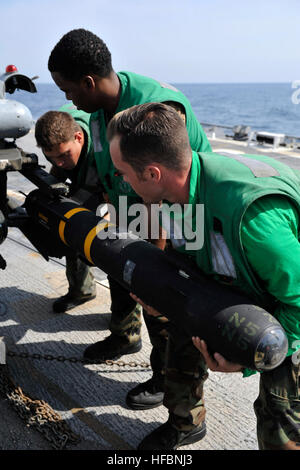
15, 118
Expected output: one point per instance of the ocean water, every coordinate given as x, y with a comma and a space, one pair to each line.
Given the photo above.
262, 106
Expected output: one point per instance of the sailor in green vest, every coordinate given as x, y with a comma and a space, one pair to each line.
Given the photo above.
80, 65
65, 140
251, 223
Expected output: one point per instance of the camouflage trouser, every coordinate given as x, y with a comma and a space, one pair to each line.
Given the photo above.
183, 370
80, 277
277, 408
125, 313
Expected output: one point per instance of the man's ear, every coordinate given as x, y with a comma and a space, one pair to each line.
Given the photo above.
89, 82
78, 136
152, 173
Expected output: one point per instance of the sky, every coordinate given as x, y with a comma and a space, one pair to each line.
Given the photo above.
178, 41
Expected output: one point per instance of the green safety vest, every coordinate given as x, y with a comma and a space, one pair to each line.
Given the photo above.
137, 89
226, 186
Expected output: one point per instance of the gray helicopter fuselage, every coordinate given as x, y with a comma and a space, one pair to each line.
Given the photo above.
15, 118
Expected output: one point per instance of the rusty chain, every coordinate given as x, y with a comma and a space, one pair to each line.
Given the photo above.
38, 413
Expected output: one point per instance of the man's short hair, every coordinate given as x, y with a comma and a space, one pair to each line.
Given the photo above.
80, 52
151, 132
55, 127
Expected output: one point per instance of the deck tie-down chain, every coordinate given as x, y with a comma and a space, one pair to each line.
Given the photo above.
50, 357
38, 413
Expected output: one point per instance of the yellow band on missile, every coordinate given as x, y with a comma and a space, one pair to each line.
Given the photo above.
91, 236
68, 215
43, 217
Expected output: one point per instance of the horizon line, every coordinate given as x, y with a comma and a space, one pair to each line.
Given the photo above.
209, 83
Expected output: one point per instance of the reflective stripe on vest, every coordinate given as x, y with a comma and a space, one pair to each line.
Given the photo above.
96, 136
222, 260
258, 168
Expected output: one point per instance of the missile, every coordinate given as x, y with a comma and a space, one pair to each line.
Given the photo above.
227, 320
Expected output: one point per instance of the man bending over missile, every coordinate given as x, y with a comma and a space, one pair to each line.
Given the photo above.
81, 66
65, 140
251, 226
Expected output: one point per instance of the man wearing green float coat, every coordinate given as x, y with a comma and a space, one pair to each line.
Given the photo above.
251, 224
64, 137
80, 65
